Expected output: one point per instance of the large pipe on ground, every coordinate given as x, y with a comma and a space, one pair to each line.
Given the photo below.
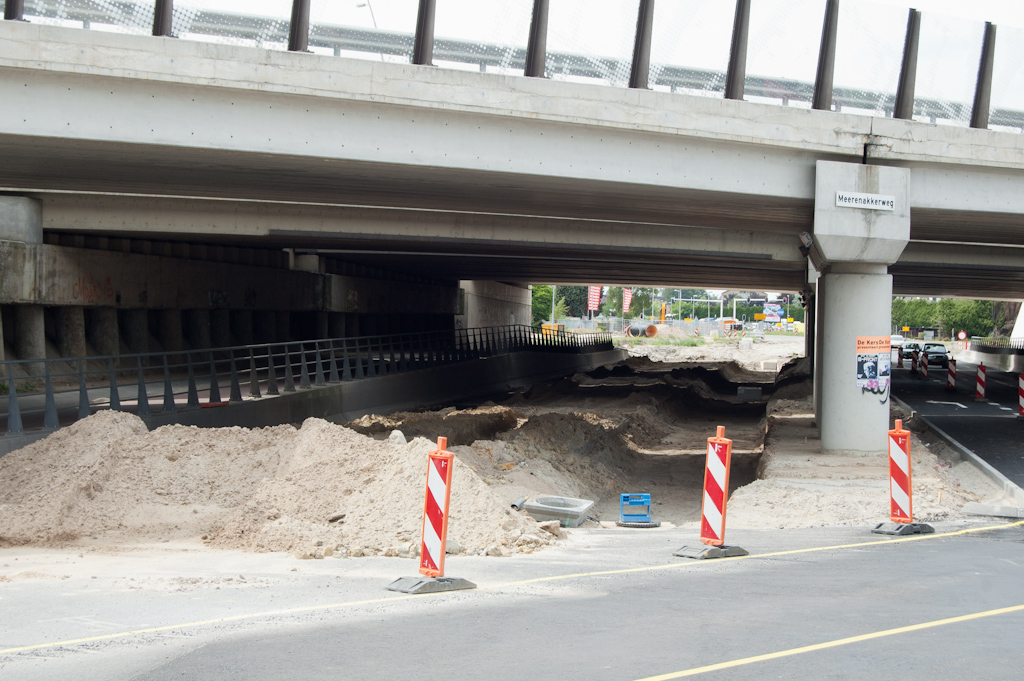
636, 331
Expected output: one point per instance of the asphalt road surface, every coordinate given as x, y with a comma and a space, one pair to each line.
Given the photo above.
837, 603
990, 428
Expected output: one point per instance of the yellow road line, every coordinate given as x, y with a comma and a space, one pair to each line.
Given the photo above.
832, 644
577, 575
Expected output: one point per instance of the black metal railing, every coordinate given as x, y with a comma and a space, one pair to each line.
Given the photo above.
1002, 346
261, 30
46, 394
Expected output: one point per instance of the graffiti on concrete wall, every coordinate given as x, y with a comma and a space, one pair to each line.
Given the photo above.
90, 290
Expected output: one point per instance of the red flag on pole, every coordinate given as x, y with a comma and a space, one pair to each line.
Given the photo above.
594, 298
627, 296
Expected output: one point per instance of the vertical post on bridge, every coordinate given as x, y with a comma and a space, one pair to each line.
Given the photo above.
436, 501
1020, 395
901, 495
716, 496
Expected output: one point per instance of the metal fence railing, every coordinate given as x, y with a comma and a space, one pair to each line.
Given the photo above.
1001, 345
46, 394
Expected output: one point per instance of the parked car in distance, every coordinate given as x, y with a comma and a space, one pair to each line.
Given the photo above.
937, 354
895, 341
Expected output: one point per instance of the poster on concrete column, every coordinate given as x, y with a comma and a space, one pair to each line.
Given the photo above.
873, 362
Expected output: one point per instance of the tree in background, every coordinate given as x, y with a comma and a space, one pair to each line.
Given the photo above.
575, 300
972, 316
540, 304
948, 314
641, 303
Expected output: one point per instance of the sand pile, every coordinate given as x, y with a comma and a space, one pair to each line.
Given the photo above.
798, 486
317, 490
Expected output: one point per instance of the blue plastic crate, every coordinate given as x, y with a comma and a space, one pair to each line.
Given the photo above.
635, 508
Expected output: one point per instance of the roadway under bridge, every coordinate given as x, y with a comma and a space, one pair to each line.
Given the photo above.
190, 193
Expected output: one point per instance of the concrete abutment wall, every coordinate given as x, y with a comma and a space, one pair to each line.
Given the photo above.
96, 295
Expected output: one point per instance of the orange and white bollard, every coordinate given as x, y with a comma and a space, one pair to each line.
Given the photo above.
951, 376
1020, 395
901, 495
899, 356
913, 362
435, 529
716, 496
979, 384
435, 510
924, 365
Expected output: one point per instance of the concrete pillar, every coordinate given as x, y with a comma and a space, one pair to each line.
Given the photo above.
30, 335
21, 219
102, 330
196, 328
70, 332
857, 303
241, 326
819, 351
264, 326
336, 324
322, 330
172, 335
220, 328
284, 326
861, 226
135, 328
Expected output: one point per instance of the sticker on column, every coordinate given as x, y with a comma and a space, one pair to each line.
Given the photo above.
874, 363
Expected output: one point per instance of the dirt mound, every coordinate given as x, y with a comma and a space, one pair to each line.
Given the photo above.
319, 489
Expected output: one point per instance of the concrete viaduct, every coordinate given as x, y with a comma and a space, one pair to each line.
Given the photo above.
162, 193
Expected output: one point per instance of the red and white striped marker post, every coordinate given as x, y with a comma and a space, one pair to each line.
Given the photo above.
899, 356
951, 376
924, 365
979, 384
435, 510
716, 496
435, 530
913, 362
1020, 395
716, 489
901, 495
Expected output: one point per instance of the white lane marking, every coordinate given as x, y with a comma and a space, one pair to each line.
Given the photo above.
956, 404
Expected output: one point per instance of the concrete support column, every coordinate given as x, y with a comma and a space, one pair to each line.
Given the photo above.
264, 326
70, 334
322, 325
336, 324
135, 328
284, 326
857, 303
172, 335
861, 226
196, 328
220, 328
30, 335
819, 356
102, 330
241, 326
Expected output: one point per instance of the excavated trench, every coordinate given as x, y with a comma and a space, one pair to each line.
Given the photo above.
638, 426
